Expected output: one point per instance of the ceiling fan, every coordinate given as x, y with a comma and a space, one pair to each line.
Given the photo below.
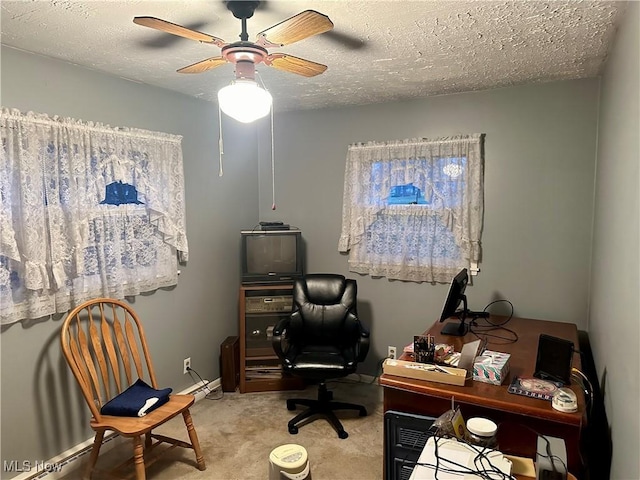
245, 55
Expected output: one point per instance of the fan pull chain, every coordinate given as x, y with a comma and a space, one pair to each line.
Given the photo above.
273, 156
220, 142
273, 167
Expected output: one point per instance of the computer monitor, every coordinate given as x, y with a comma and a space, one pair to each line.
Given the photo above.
450, 309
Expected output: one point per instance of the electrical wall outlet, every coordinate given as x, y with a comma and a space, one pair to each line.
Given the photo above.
391, 352
186, 365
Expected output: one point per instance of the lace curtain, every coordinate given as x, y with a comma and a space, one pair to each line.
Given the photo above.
413, 209
86, 211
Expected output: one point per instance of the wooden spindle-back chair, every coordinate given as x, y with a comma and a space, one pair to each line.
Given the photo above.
104, 344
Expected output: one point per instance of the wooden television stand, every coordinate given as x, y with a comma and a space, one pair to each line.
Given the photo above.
261, 307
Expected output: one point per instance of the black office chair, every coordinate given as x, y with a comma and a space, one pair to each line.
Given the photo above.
322, 339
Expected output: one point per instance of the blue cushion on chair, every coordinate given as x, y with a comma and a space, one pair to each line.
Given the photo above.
136, 401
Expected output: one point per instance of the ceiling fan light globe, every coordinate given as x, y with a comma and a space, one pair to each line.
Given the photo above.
245, 101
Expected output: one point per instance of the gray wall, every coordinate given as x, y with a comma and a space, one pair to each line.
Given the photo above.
540, 167
614, 326
539, 173
42, 414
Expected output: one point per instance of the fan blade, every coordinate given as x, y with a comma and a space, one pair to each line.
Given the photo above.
179, 30
300, 26
299, 66
204, 65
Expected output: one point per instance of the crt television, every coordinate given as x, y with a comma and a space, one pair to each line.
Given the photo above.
455, 296
272, 256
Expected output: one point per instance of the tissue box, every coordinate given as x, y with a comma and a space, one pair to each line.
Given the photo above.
491, 367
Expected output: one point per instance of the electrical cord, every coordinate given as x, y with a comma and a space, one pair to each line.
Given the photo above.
586, 386
482, 331
378, 370
373, 380
508, 318
206, 387
483, 467
429, 432
552, 457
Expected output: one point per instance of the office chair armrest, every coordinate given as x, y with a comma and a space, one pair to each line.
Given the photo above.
279, 334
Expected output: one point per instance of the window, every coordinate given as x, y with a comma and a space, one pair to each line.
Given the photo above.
86, 211
413, 210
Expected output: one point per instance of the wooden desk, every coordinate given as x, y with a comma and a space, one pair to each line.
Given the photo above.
518, 417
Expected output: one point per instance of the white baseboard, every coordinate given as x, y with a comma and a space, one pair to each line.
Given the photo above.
203, 389
57, 467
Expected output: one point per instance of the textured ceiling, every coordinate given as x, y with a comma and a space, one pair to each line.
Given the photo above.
378, 51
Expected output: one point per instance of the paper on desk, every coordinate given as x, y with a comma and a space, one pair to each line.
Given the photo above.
452, 461
468, 355
451, 452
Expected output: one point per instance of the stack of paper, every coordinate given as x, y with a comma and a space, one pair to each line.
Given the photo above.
458, 461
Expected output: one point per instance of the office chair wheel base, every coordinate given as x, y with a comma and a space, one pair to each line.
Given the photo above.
342, 434
293, 430
291, 405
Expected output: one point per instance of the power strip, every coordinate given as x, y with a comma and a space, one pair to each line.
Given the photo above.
206, 389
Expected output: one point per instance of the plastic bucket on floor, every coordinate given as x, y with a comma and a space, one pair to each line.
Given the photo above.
289, 461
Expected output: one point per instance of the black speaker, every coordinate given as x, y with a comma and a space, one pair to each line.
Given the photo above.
554, 359
230, 364
551, 458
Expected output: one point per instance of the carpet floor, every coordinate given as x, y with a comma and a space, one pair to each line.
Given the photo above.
237, 432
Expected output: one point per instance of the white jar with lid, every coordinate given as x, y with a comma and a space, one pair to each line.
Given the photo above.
482, 432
